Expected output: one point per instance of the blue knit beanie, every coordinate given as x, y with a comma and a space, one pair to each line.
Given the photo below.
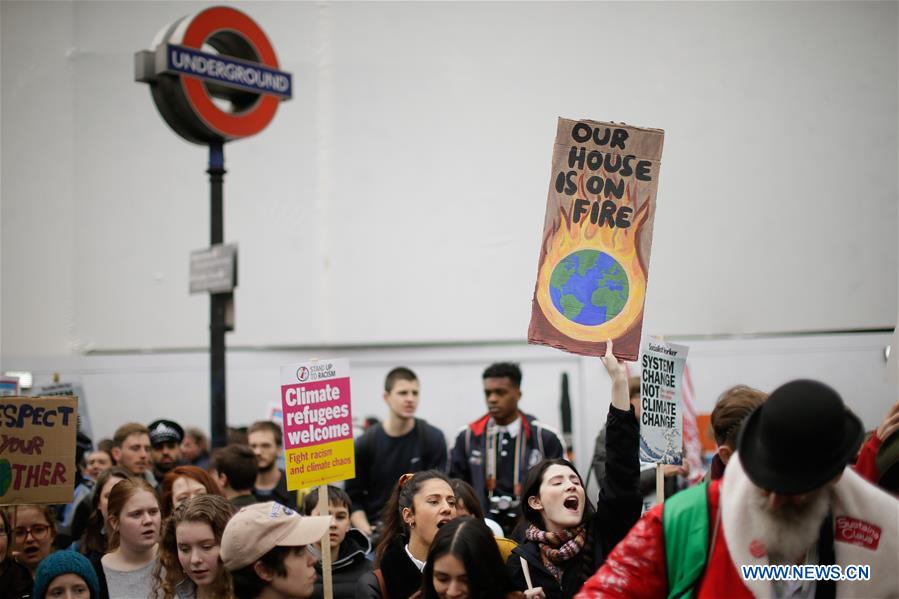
64, 562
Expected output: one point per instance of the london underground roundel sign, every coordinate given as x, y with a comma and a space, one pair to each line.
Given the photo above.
214, 76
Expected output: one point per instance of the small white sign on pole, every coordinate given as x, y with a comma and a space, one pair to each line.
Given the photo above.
214, 270
661, 401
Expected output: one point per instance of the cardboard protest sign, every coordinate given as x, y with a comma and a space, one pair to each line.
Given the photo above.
37, 449
84, 421
661, 400
318, 423
594, 259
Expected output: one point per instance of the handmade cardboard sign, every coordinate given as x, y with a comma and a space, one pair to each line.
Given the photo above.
37, 449
594, 259
661, 401
70, 388
317, 422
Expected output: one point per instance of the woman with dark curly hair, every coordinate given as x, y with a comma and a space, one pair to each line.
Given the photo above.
188, 563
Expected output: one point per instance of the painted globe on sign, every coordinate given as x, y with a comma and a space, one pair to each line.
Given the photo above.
5, 477
588, 287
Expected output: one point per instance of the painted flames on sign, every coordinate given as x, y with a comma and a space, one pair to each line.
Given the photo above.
621, 244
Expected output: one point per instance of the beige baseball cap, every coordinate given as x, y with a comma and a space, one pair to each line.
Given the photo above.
257, 529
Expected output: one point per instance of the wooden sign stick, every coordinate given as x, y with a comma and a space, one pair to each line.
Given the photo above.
660, 483
324, 509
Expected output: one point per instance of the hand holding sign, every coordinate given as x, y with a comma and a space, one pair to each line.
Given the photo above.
618, 374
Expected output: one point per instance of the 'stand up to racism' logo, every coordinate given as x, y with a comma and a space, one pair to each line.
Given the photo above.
208, 96
302, 374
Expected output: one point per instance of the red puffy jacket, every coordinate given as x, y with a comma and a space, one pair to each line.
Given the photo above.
637, 565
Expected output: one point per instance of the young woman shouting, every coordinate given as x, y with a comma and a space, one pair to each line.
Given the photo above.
567, 539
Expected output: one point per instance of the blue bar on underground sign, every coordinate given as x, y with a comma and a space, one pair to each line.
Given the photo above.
234, 73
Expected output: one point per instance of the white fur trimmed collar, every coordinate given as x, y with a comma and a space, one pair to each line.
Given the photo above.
866, 523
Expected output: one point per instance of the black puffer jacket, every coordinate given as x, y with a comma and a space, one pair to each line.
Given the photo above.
401, 576
350, 566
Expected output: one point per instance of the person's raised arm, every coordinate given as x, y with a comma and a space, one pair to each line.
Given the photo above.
618, 375
619, 502
622, 435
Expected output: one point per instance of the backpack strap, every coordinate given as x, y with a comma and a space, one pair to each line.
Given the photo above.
685, 522
380, 577
421, 426
540, 440
369, 446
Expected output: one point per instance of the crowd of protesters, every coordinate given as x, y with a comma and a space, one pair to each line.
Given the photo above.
157, 514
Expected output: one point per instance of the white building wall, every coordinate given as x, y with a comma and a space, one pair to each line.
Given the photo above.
397, 200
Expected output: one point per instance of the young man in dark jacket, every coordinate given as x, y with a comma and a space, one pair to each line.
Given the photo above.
348, 546
401, 444
494, 452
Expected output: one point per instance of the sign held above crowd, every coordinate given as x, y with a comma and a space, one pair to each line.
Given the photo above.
318, 432
37, 449
317, 422
661, 401
597, 234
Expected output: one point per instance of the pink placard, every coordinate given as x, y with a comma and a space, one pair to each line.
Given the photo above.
317, 412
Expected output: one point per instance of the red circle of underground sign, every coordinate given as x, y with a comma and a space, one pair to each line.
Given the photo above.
201, 28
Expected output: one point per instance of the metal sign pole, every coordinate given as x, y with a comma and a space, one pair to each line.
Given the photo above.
218, 303
184, 86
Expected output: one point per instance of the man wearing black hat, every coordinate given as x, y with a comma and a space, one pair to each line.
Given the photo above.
786, 499
165, 446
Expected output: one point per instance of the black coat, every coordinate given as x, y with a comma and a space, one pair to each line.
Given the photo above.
15, 580
101, 575
466, 457
618, 508
350, 566
402, 578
